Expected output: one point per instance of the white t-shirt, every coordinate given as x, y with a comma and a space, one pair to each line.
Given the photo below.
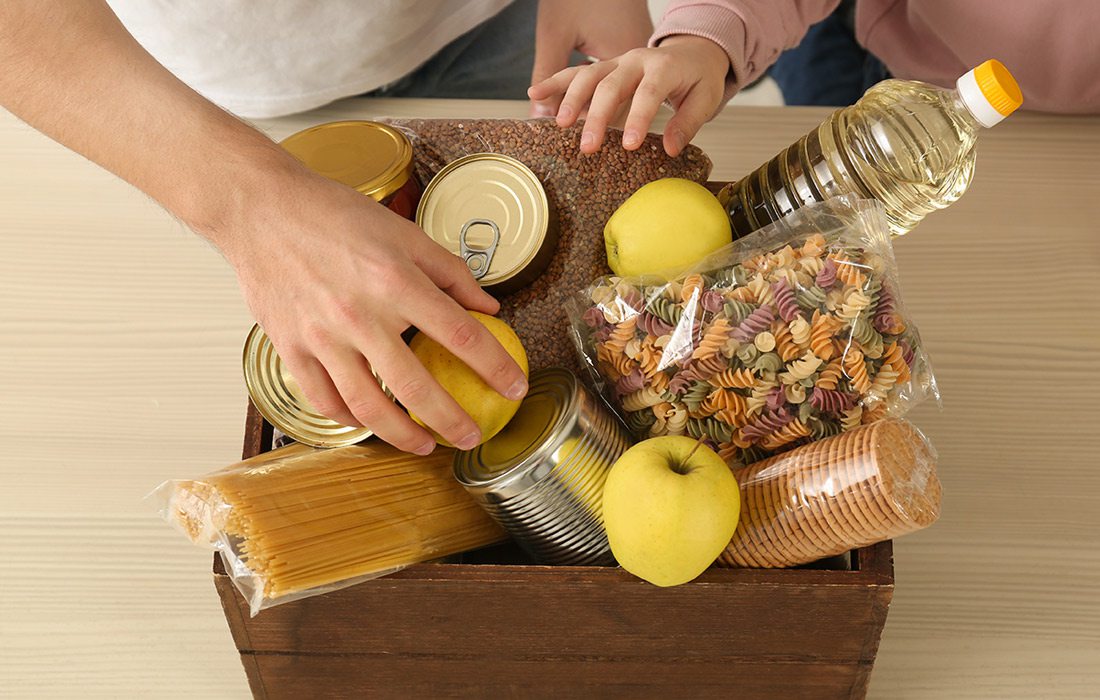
266, 59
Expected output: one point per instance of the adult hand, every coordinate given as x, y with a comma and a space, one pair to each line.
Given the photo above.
600, 30
336, 281
688, 71
333, 277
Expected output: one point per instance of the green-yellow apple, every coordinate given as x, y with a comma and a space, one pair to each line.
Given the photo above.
666, 225
489, 409
670, 506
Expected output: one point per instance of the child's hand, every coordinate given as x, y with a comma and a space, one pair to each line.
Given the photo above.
688, 71
565, 26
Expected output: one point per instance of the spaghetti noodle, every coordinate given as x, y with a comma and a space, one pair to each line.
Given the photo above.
299, 521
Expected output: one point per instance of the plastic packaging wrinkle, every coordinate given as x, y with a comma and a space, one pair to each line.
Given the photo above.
873, 483
789, 335
298, 521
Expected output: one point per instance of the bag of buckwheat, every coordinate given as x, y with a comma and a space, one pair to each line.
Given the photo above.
584, 190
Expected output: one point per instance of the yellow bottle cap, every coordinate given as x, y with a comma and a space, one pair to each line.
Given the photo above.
989, 92
999, 87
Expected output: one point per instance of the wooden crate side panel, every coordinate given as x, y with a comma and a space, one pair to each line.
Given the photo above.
876, 558
234, 607
257, 433
255, 674
880, 604
326, 676
237, 617
584, 617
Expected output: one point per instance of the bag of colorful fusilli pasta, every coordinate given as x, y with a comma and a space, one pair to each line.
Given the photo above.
786, 336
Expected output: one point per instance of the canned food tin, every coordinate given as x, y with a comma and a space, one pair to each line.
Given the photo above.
280, 400
492, 211
373, 158
542, 476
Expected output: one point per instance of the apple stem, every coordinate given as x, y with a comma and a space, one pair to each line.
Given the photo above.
687, 460
698, 444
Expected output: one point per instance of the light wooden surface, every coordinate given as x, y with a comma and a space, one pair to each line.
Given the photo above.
120, 337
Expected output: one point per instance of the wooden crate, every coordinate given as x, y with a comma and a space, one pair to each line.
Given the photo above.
526, 631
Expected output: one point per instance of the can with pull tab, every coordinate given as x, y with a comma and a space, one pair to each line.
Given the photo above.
492, 211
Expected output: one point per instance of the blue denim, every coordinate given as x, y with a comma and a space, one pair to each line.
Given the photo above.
829, 67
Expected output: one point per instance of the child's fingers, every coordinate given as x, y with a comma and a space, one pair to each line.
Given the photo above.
693, 111
546, 95
580, 91
543, 108
612, 92
651, 92
547, 107
556, 84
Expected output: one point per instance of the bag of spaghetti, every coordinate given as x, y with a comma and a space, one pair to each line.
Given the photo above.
300, 521
791, 334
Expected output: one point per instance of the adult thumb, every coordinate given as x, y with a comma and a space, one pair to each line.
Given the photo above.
552, 51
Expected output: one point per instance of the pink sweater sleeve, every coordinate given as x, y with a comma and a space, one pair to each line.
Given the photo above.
752, 32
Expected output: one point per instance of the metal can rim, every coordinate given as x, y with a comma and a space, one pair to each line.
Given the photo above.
252, 382
547, 236
519, 468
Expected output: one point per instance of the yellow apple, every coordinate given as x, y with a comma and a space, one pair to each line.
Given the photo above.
670, 506
486, 406
666, 225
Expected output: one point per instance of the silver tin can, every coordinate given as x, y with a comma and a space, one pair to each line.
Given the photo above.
542, 477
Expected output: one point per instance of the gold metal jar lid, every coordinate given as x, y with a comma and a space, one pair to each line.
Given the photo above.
491, 210
373, 158
280, 400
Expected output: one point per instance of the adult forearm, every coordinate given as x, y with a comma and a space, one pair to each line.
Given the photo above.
71, 70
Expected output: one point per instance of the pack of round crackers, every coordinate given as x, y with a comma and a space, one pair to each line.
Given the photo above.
866, 485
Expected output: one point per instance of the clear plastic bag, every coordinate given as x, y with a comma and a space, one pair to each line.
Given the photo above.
873, 483
583, 190
789, 335
299, 521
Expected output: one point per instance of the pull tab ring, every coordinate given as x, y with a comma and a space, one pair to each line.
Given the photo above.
478, 259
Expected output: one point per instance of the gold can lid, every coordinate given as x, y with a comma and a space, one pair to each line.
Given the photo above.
280, 400
487, 208
527, 449
373, 158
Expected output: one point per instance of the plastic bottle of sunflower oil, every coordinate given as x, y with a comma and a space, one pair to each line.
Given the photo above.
908, 144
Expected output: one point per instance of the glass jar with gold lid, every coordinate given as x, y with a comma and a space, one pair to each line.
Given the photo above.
372, 158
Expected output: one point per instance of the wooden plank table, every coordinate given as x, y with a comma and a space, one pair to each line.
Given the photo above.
120, 336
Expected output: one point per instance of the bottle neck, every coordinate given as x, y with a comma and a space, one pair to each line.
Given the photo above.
966, 116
